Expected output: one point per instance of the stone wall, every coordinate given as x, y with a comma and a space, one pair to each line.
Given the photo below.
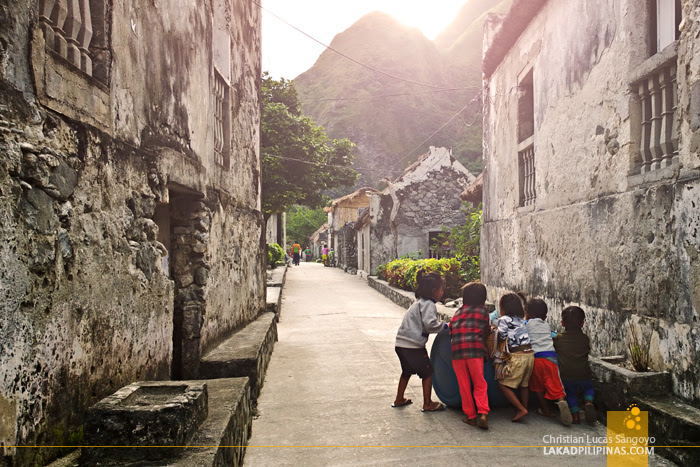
346, 250
426, 205
621, 244
116, 216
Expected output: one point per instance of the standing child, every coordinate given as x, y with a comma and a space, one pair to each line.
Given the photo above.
469, 329
324, 255
573, 347
512, 329
545, 381
420, 320
307, 252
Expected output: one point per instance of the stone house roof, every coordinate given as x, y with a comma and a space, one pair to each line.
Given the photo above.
434, 160
314, 236
350, 198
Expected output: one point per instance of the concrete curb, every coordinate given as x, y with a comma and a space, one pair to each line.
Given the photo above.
273, 291
404, 298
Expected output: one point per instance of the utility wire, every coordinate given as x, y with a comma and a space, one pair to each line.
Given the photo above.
376, 70
378, 96
475, 98
322, 164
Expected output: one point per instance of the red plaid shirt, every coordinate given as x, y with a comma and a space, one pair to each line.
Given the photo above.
469, 329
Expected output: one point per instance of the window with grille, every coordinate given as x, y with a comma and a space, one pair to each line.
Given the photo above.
76, 30
657, 91
526, 173
221, 120
526, 146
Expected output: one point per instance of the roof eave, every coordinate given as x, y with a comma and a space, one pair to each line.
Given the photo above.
514, 24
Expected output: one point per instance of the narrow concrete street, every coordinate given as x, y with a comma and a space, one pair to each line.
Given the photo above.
329, 388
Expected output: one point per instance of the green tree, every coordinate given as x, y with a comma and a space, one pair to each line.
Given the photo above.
299, 162
303, 221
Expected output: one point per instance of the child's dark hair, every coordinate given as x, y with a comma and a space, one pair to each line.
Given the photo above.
474, 293
573, 317
427, 283
536, 308
511, 304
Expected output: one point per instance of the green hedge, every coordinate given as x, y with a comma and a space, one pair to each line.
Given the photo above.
458, 271
275, 254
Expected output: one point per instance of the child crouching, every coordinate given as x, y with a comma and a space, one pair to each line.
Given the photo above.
573, 347
512, 330
545, 381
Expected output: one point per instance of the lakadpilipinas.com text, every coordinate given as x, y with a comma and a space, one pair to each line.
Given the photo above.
574, 445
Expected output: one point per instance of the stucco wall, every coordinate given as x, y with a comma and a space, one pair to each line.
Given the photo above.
87, 306
621, 245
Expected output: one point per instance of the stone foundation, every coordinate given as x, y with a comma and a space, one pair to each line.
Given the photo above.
150, 415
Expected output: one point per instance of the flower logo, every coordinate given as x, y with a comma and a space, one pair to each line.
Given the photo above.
632, 421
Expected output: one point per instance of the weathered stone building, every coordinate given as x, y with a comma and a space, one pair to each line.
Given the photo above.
129, 199
425, 199
592, 173
342, 215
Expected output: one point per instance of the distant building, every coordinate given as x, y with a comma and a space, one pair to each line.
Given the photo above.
275, 229
427, 196
342, 215
592, 175
131, 231
318, 239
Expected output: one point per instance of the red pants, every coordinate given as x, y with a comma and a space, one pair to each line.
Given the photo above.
472, 369
545, 378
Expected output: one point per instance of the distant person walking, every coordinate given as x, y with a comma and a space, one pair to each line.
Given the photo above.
296, 253
307, 252
324, 255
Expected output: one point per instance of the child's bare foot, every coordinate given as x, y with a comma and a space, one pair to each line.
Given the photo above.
469, 421
544, 413
576, 418
519, 415
402, 402
483, 422
433, 407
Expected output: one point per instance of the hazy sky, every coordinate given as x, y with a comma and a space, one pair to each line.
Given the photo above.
287, 53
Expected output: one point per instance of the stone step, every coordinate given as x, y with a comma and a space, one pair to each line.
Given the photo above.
273, 301
223, 437
277, 276
245, 353
673, 423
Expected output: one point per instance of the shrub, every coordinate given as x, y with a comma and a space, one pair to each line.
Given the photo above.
402, 273
458, 271
275, 253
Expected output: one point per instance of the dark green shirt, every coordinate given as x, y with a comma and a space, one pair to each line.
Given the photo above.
573, 347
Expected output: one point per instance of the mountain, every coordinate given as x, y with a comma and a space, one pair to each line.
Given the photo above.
391, 118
